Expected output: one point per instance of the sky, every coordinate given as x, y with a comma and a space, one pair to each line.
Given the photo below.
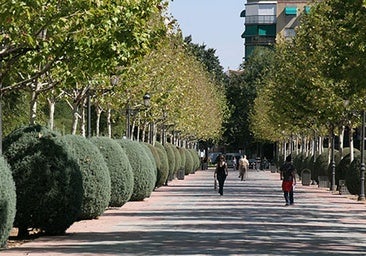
215, 23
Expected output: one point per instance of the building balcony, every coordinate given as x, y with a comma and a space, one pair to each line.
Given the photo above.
261, 19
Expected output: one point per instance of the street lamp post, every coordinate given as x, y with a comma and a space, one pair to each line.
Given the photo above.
362, 173
334, 187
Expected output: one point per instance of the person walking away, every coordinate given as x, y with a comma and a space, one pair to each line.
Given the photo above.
243, 167
234, 163
288, 174
221, 173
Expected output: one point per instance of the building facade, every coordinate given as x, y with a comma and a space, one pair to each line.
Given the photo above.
269, 21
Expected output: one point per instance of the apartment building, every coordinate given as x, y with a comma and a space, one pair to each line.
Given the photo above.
268, 21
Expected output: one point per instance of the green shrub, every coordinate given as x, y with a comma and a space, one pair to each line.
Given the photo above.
7, 201
309, 164
143, 171
178, 161
183, 159
95, 176
196, 160
298, 161
151, 157
188, 168
343, 167
164, 167
352, 176
322, 167
47, 178
347, 151
164, 161
171, 159
161, 164
120, 170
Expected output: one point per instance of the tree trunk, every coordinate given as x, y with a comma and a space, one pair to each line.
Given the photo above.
341, 139
351, 144
33, 106
97, 122
51, 116
109, 122
75, 119
83, 122
143, 133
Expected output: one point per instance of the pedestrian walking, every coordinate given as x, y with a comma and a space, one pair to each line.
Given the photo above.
221, 173
288, 180
243, 167
234, 163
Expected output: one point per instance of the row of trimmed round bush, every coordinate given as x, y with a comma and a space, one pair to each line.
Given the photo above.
344, 168
49, 181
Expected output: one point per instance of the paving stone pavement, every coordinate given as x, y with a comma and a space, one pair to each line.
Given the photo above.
188, 217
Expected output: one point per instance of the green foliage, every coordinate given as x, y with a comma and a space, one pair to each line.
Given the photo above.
195, 160
143, 170
309, 164
321, 165
188, 167
95, 176
208, 58
171, 158
151, 158
47, 177
183, 159
298, 161
241, 92
178, 161
7, 201
120, 170
162, 166
344, 166
353, 179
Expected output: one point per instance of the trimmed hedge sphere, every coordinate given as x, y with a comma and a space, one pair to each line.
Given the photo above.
353, 179
298, 162
195, 159
143, 170
322, 166
48, 180
178, 161
344, 165
7, 201
151, 157
161, 164
120, 170
183, 159
95, 175
188, 168
171, 159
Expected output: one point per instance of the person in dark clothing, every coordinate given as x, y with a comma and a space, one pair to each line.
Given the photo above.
288, 174
220, 173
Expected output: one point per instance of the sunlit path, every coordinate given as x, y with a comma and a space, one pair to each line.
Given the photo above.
189, 217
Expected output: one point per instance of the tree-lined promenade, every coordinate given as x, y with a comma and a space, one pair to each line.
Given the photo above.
76, 68
190, 218
54, 55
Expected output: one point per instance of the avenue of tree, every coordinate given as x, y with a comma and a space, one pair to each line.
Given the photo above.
314, 84
55, 55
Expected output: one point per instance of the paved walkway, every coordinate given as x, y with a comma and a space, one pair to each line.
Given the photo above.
189, 218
